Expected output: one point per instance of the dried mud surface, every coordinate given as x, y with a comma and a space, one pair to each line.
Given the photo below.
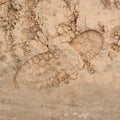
59, 59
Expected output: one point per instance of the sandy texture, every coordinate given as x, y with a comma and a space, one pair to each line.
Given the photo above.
59, 59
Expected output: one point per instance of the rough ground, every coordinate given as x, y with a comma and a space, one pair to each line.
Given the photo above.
59, 59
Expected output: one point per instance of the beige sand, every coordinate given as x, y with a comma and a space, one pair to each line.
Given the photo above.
59, 59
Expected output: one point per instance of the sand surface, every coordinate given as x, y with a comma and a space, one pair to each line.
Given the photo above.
59, 59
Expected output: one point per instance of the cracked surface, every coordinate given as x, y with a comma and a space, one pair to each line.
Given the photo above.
59, 59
